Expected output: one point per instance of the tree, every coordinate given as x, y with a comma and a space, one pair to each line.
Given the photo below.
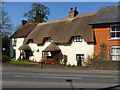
38, 13
6, 24
6, 28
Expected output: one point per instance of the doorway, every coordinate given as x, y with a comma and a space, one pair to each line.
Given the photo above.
79, 58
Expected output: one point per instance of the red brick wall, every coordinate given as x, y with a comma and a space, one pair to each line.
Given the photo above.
102, 35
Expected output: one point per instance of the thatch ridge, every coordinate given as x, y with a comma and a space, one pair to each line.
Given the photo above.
62, 30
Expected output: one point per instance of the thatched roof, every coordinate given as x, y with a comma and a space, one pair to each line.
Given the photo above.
24, 47
109, 14
62, 30
23, 31
52, 47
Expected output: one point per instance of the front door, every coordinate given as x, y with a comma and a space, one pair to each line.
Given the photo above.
79, 58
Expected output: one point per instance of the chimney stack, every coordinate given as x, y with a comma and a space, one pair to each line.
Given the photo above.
73, 13
23, 22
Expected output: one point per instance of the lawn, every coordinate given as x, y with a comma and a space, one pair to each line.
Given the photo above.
22, 62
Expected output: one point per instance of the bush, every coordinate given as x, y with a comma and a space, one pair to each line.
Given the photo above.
5, 58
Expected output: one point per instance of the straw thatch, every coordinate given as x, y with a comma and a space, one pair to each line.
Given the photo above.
52, 47
62, 30
24, 47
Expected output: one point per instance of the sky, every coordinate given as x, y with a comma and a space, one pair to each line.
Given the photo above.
58, 10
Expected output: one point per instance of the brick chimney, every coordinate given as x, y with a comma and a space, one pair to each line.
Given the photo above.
23, 22
71, 13
75, 11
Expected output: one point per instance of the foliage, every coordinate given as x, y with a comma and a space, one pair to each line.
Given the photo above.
5, 58
69, 65
102, 52
6, 27
6, 45
21, 62
38, 13
87, 61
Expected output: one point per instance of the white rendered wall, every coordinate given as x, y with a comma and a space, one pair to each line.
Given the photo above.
68, 49
76, 48
18, 44
37, 55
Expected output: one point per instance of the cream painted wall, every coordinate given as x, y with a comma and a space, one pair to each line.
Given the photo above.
68, 49
18, 44
37, 51
76, 48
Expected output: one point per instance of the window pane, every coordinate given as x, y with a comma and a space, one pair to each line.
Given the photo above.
77, 39
113, 28
117, 51
117, 28
117, 34
112, 34
118, 58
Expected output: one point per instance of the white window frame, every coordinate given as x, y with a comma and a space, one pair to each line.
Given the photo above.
14, 41
111, 53
77, 39
114, 32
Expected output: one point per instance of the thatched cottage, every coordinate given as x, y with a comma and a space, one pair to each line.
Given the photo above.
64, 41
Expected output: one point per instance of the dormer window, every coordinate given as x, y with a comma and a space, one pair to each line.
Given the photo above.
48, 39
115, 32
77, 39
30, 41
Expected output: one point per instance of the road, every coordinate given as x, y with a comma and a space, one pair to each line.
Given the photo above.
24, 77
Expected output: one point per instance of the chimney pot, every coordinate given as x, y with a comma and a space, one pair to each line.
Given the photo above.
23, 22
71, 13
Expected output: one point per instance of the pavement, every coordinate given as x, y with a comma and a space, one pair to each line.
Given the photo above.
26, 77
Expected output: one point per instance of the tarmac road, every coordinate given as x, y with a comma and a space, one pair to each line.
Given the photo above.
24, 77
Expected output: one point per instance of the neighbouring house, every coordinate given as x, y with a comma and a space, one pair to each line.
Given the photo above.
18, 37
70, 40
106, 26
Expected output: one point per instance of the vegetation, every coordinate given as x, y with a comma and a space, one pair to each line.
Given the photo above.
5, 59
6, 27
22, 62
102, 52
38, 13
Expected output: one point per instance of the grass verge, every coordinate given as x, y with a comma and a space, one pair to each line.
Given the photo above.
22, 62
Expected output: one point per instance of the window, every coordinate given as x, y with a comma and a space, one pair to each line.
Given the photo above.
79, 57
46, 54
14, 42
30, 41
48, 40
77, 39
115, 53
115, 32
31, 53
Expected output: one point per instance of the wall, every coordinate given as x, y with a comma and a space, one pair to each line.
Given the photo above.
18, 44
105, 64
67, 49
37, 55
102, 35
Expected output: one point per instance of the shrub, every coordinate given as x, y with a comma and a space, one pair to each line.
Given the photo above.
5, 58
69, 65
